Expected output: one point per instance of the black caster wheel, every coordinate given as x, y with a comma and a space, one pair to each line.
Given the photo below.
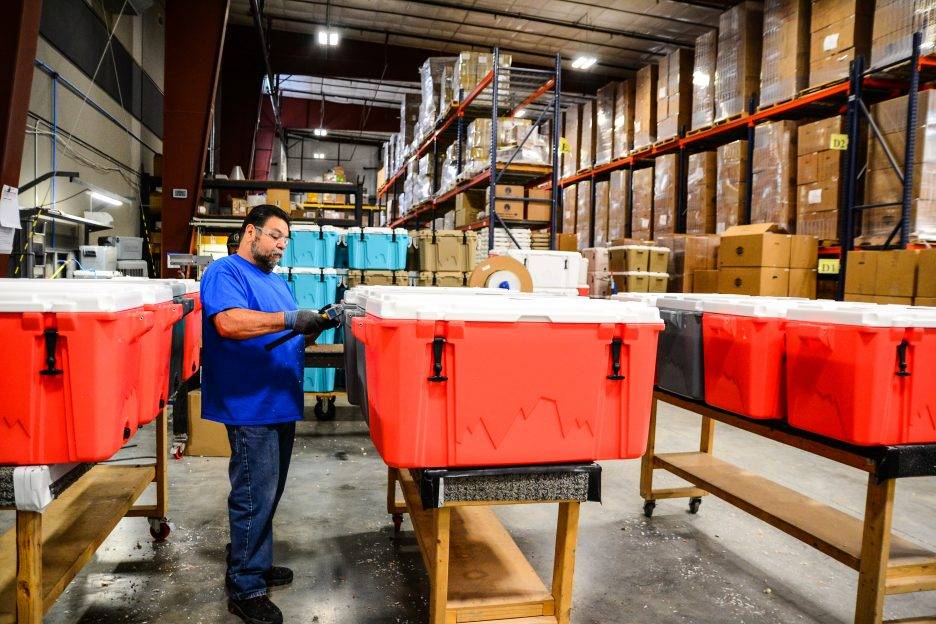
649, 506
324, 409
330, 410
694, 504
397, 523
159, 529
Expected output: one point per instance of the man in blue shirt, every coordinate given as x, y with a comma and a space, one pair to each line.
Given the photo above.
257, 394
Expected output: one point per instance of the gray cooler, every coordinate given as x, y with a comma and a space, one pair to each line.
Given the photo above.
355, 371
679, 349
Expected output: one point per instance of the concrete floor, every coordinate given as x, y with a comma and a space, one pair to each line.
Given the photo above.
718, 566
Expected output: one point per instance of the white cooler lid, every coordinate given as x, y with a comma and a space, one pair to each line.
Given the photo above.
92, 274
152, 291
178, 286
693, 301
757, 307
305, 227
313, 271
370, 230
359, 294
509, 309
863, 314
33, 298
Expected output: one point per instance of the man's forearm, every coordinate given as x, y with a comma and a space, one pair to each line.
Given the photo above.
241, 324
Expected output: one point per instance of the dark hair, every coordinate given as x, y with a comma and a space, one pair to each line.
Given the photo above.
259, 215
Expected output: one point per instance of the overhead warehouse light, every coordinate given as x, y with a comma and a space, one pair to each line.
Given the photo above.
328, 37
318, 156
584, 62
320, 132
520, 113
110, 201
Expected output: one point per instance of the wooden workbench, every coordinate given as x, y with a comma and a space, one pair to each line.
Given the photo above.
48, 548
886, 564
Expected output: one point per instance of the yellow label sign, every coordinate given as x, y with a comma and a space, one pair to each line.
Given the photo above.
564, 147
829, 266
838, 141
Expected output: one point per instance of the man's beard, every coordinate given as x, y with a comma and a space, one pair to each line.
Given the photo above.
267, 261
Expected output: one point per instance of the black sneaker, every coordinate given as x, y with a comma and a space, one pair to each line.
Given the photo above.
258, 610
278, 576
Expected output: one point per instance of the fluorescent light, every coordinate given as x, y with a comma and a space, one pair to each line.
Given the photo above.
584, 62
110, 201
320, 132
328, 37
520, 113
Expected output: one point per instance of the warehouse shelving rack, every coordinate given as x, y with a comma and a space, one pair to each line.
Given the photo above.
851, 97
531, 90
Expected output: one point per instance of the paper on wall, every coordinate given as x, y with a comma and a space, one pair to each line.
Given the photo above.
9, 207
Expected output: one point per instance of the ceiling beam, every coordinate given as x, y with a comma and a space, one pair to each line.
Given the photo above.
257, 13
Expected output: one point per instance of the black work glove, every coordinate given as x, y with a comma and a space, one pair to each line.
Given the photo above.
308, 322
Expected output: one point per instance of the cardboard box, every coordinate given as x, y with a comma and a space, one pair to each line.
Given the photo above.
665, 189
822, 224
925, 301
703, 80
599, 259
623, 118
773, 196
536, 211
569, 163
856, 298
705, 281
587, 137
701, 177
688, 254
896, 273
599, 284
755, 245
511, 210
604, 122
601, 213
765, 281
894, 24
803, 283
737, 65
569, 208
645, 103
785, 60
892, 300
840, 30
619, 205
804, 252
926, 273
583, 224
278, 197
625, 258
642, 204
238, 207
206, 438
731, 191
674, 93
861, 272
508, 191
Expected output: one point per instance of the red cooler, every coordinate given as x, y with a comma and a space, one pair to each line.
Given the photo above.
486, 381
191, 358
70, 371
863, 374
742, 346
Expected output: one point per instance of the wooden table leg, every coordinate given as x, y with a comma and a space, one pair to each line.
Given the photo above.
646, 462
707, 441
875, 550
392, 476
162, 460
564, 562
28, 567
438, 575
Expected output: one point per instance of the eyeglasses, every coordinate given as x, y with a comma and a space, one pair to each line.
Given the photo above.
276, 236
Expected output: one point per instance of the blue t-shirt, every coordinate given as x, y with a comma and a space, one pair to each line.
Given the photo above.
242, 382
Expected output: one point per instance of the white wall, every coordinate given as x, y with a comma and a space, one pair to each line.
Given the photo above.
117, 166
357, 160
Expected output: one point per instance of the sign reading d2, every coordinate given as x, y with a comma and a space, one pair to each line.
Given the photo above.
838, 141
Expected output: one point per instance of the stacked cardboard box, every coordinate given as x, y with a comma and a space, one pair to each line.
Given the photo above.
883, 185
619, 205
583, 205
409, 117
786, 50
572, 131
541, 208
430, 79
759, 259
902, 276
645, 102
587, 136
599, 276
701, 179
840, 30
674, 94
602, 212
895, 21
623, 118
689, 254
638, 268
773, 178
818, 170
569, 208
703, 80
468, 207
737, 67
732, 171
517, 142
642, 204
471, 68
604, 122
665, 189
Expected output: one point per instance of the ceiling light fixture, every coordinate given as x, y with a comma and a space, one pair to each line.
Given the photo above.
110, 201
320, 132
328, 37
520, 113
318, 156
584, 62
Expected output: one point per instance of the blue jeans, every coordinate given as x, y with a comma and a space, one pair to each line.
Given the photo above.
259, 462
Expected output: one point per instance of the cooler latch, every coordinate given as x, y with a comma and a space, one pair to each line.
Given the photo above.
902, 359
51, 340
438, 346
616, 360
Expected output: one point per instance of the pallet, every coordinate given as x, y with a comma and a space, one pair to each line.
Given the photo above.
762, 107
699, 130
877, 241
824, 85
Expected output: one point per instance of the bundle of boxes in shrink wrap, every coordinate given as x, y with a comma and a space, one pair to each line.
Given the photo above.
900, 276
569, 208
588, 136
638, 268
703, 80
786, 50
737, 67
619, 204
409, 117
666, 172
688, 255
602, 212
759, 259
604, 122
623, 118
818, 171
571, 132
583, 203
472, 67
773, 177
599, 274
645, 103
840, 30
448, 177
701, 176
642, 204
895, 21
882, 184
674, 94
431, 81
730, 194
517, 142
422, 180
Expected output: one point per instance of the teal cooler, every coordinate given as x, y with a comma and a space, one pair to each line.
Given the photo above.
315, 289
377, 249
313, 245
